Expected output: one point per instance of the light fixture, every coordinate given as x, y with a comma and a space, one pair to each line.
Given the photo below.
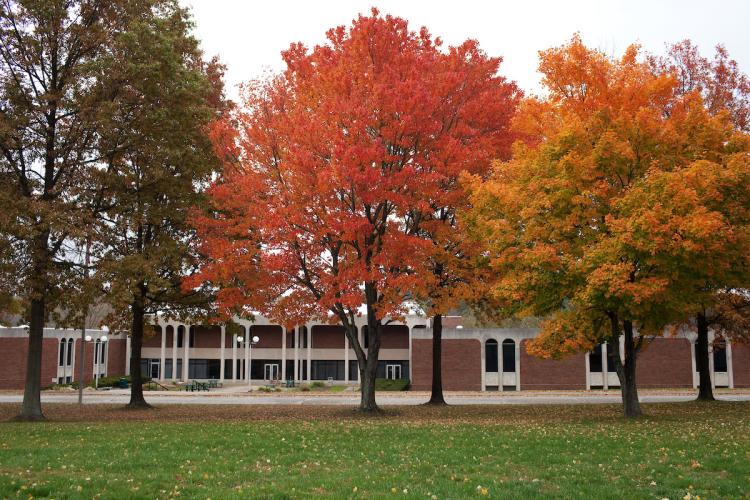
256, 339
240, 339
88, 338
103, 338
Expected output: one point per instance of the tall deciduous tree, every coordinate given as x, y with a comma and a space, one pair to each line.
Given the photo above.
55, 85
169, 98
327, 165
724, 89
559, 218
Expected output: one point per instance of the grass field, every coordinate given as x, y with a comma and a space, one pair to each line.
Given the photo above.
679, 451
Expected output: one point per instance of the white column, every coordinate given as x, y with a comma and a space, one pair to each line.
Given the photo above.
692, 363
127, 355
587, 359
234, 357
296, 353
500, 372
411, 366
730, 370
246, 371
482, 360
221, 354
605, 372
174, 353
361, 338
186, 355
346, 358
249, 364
163, 352
518, 365
711, 364
283, 353
309, 353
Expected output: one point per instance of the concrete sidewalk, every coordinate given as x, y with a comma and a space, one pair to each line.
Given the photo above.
121, 396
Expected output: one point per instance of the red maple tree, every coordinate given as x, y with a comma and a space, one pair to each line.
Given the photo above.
331, 163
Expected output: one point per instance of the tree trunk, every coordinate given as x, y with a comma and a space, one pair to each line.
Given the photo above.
136, 342
369, 374
705, 391
436, 397
31, 410
626, 369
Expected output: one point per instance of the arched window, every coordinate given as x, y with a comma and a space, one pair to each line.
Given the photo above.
96, 351
70, 352
191, 337
180, 335
720, 356
61, 358
509, 356
490, 356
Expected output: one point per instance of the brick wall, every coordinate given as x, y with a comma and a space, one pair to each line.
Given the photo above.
461, 365
208, 336
13, 353
394, 337
270, 336
665, 362
116, 357
741, 365
328, 337
565, 373
152, 336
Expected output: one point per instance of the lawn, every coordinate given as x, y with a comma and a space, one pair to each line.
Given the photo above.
678, 451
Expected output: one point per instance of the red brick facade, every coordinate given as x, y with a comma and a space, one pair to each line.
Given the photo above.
462, 365
13, 367
394, 337
328, 337
741, 365
665, 362
565, 373
270, 336
206, 337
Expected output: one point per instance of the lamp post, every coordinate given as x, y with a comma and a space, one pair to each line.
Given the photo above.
97, 359
89, 338
249, 358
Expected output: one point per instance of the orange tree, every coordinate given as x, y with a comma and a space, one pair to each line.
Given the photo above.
724, 303
558, 218
329, 166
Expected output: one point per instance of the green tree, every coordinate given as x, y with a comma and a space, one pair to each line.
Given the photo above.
169, 98
56, 69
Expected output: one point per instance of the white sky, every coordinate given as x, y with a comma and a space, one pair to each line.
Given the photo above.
248, 35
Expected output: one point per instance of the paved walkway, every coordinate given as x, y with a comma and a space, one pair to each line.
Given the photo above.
383, 398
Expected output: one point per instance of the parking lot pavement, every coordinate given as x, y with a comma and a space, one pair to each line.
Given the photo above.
540, 398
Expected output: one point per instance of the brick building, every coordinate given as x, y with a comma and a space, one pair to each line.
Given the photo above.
474, 359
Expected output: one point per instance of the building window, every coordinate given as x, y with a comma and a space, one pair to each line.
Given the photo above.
509, 356
325, 369
70, 352
720, 357
61, 358
490, 356
180, 331
595, 360
191, 337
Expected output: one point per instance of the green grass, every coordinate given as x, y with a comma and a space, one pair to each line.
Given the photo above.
458, 452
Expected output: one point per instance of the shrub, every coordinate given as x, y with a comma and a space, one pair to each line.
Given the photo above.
318, 384
385, 384
304, 388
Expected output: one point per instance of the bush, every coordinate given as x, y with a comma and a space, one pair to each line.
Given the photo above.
386, 384
318, 384
304, 388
